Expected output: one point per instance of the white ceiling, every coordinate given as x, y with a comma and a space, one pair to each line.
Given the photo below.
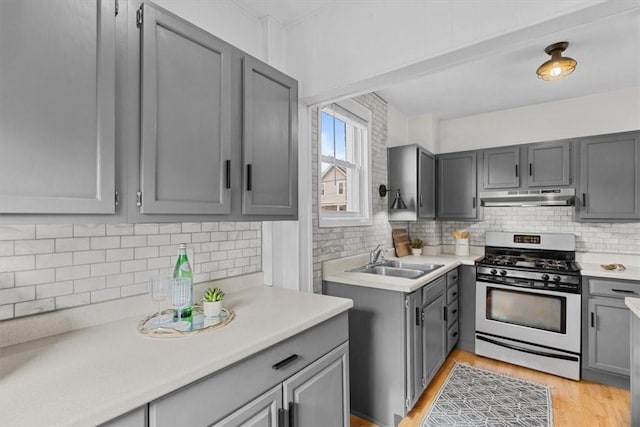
607, 51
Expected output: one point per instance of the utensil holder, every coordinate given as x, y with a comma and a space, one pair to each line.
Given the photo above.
462, 247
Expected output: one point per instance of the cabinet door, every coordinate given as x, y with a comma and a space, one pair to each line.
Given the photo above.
501, 168
319, 394
270, 156
549, 164
457, 185
609, 328
610, 177
57, 114
426, 185
185, 117
415, 379
263, 411
434, 337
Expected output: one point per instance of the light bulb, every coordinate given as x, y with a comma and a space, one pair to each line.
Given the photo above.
555, 70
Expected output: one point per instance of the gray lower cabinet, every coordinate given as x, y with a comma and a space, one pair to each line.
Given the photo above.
316, 396
302, 381
269, 138
411, 170
57, 111
606, 330
467, 307
609, 186
185, 117
501, 168
549, 164
398, 342
635, 369
263, 411
434, 328
457, 189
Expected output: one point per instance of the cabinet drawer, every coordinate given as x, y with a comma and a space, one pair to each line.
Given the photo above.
452, 336
452, 278
212, 398
452, 293
614, 288
433, 290
452, 313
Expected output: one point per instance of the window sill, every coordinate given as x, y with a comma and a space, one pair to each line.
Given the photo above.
344, 222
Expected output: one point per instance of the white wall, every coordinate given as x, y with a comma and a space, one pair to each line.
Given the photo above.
590, 115
397, 127
424, 131
348, 42
223, 19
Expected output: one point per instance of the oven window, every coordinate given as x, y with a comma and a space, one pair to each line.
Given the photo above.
540, 311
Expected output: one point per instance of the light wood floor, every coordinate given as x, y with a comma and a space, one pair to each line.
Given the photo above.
575, 404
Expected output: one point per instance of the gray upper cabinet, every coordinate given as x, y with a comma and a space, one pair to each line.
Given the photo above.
609, 186
57, 114
270, 156
411, 169
501, 168
185, 117
549, 164
457, 190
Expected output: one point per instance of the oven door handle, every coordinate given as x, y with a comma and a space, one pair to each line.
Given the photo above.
527, 350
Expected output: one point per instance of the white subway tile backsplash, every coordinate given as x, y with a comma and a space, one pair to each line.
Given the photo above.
133, 241
7, 280
50, 267
49, 231
6, 311
31, 247
91, 284
55, 289
146, 228
17, 232
34, 307
72, 273
72, 244
34, 277
89, 257
119, 229
13, 295
6, 248
88, 230
17, 263
54, 260
109, 242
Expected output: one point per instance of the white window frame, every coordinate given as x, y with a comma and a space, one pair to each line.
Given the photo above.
340, 189
364, 216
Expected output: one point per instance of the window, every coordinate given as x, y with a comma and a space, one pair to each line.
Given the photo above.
345, 180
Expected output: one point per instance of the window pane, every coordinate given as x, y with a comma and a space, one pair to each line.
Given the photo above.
334, 136
327, 135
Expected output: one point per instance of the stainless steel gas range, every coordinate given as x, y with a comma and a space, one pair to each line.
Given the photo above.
528, 302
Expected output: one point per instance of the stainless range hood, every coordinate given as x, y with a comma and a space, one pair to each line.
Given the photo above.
535, 197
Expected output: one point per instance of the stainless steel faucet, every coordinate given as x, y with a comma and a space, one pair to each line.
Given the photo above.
376, 253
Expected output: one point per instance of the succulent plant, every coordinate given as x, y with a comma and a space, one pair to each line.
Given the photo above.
416, 244
213, 295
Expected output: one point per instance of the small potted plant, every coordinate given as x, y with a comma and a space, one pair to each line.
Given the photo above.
212, 302
416, 247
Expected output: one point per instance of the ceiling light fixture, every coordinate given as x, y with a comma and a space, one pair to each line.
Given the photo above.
558, 66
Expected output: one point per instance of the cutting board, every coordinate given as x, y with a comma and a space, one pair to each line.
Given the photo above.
401, 242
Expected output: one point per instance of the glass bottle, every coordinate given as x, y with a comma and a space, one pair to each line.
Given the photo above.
183, 271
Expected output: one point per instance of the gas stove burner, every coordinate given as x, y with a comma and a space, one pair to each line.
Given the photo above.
551, 264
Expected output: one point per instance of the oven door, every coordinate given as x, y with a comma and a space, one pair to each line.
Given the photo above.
527, 315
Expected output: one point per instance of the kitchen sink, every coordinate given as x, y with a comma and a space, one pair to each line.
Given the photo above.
397, 269
402, 264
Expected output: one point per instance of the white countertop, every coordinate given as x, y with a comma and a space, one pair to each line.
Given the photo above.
335, 271
633, 304
91, 375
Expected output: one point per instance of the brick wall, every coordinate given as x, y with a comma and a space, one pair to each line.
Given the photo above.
331, 243
51, 267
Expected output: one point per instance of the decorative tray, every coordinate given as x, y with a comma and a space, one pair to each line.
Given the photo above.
163, 324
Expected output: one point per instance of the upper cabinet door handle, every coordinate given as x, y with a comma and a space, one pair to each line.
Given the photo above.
516, 171
227, 174
530, 169
249, 177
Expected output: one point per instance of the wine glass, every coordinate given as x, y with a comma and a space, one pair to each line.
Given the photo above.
160, 288
181, 296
